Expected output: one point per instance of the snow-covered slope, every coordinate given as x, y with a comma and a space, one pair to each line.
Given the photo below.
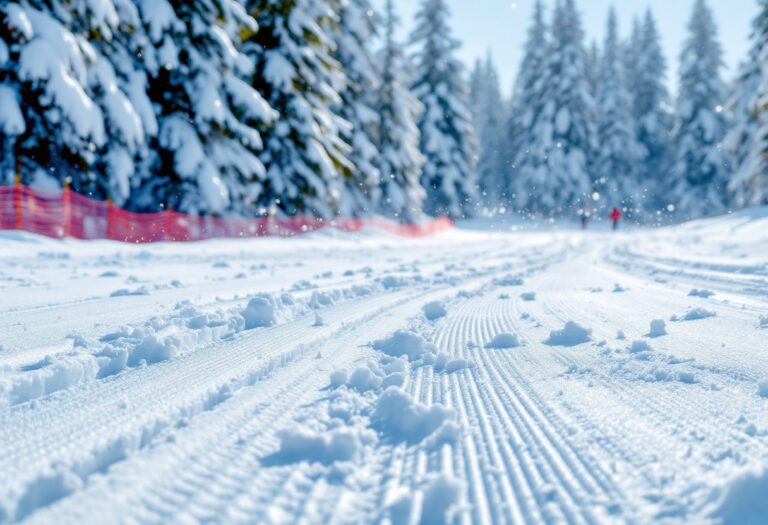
472, 377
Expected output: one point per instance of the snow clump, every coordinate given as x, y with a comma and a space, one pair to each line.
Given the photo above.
695, 314
443, 499
743, 501
364, 379
403, 343
434, 310
528, 296
638, 347
339, 378
502, 341
390, 282
261, 312
658, 328
125, 292
445, 364
572, 334
398, 415
762, 388
509, 280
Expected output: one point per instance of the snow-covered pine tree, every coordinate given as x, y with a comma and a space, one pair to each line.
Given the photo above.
400, 160
630, 52
476, 79
701, 165
118, 83
748, 138
618, 162
447, 133
206, 152
356, 31
594, 61
64, 114
304, 153
565, 135
651, 104
529, 134
489, 117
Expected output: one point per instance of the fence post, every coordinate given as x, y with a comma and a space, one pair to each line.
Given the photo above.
66, 216
110, 219
17, 198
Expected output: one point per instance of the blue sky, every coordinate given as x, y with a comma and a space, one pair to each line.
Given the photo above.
501, 26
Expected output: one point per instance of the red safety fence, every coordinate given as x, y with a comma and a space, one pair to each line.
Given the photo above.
68, 214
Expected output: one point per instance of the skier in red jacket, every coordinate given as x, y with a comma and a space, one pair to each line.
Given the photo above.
615, 216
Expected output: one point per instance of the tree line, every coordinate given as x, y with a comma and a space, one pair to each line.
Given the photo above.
593, 128
255, 107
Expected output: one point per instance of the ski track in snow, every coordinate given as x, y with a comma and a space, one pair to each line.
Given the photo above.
629, 427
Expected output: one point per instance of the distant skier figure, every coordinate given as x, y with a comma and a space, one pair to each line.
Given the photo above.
615, 216
584, 217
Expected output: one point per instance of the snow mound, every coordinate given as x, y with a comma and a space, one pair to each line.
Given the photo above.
509, 280
762, 388
572, 334
658, 328
528, 296
706, 294
638, 347
695, 314
261, 312
434, 310
48, 375
617, 288
443, 500
391, 282
743, 501
372, 377
763, 322
125, 292
454, 365
364, 379
445, 364
339, 378
504, 340
154, 349
448, 434
158, 339
403, 343
397, 414
301, 444
321, 300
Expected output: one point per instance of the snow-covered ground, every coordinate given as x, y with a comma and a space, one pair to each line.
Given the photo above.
472, 377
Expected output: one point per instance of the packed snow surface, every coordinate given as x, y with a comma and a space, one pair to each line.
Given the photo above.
361, 378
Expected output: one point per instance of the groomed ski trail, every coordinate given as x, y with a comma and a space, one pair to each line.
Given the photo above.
626, 427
